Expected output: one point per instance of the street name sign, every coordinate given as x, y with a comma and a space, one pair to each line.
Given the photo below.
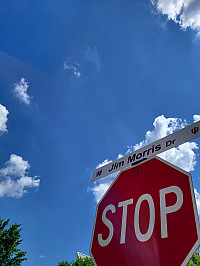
173, 140
147, 217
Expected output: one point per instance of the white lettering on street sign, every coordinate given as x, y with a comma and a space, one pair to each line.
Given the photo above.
173, 140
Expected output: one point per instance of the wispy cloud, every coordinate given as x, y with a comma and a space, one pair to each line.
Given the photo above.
92, 56
184, 12
20, 91
3, 119
42, 256
183, 156
14, 181
73, 67
85, 62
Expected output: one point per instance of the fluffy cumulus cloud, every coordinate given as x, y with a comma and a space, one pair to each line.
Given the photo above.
196, 118
20, 91
184, 12
101, 187
183, 156
14, 180
106, 161
3, 118
162, 127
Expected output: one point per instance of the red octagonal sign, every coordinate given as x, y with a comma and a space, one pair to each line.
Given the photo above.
147, 217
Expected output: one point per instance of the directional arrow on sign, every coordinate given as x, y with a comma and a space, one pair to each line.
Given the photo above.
173, 140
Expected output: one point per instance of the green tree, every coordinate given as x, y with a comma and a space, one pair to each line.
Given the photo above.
10, 255
195, 260
79, 262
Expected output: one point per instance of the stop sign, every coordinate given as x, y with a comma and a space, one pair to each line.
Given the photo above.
147, 217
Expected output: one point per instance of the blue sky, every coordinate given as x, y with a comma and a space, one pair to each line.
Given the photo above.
80, 83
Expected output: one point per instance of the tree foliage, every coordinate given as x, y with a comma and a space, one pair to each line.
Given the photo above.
79, 262
10, 254
195, 260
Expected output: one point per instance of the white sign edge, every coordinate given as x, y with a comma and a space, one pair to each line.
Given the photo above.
196, 245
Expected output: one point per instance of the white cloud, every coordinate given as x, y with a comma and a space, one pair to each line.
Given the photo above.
42, 256
184, 12
197, 196
162, 127
106, 161
99, 190
101, 186
3, 118
88, 59
196, 118
16, 166
183, 156
13, 178
20, 91
73, 67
